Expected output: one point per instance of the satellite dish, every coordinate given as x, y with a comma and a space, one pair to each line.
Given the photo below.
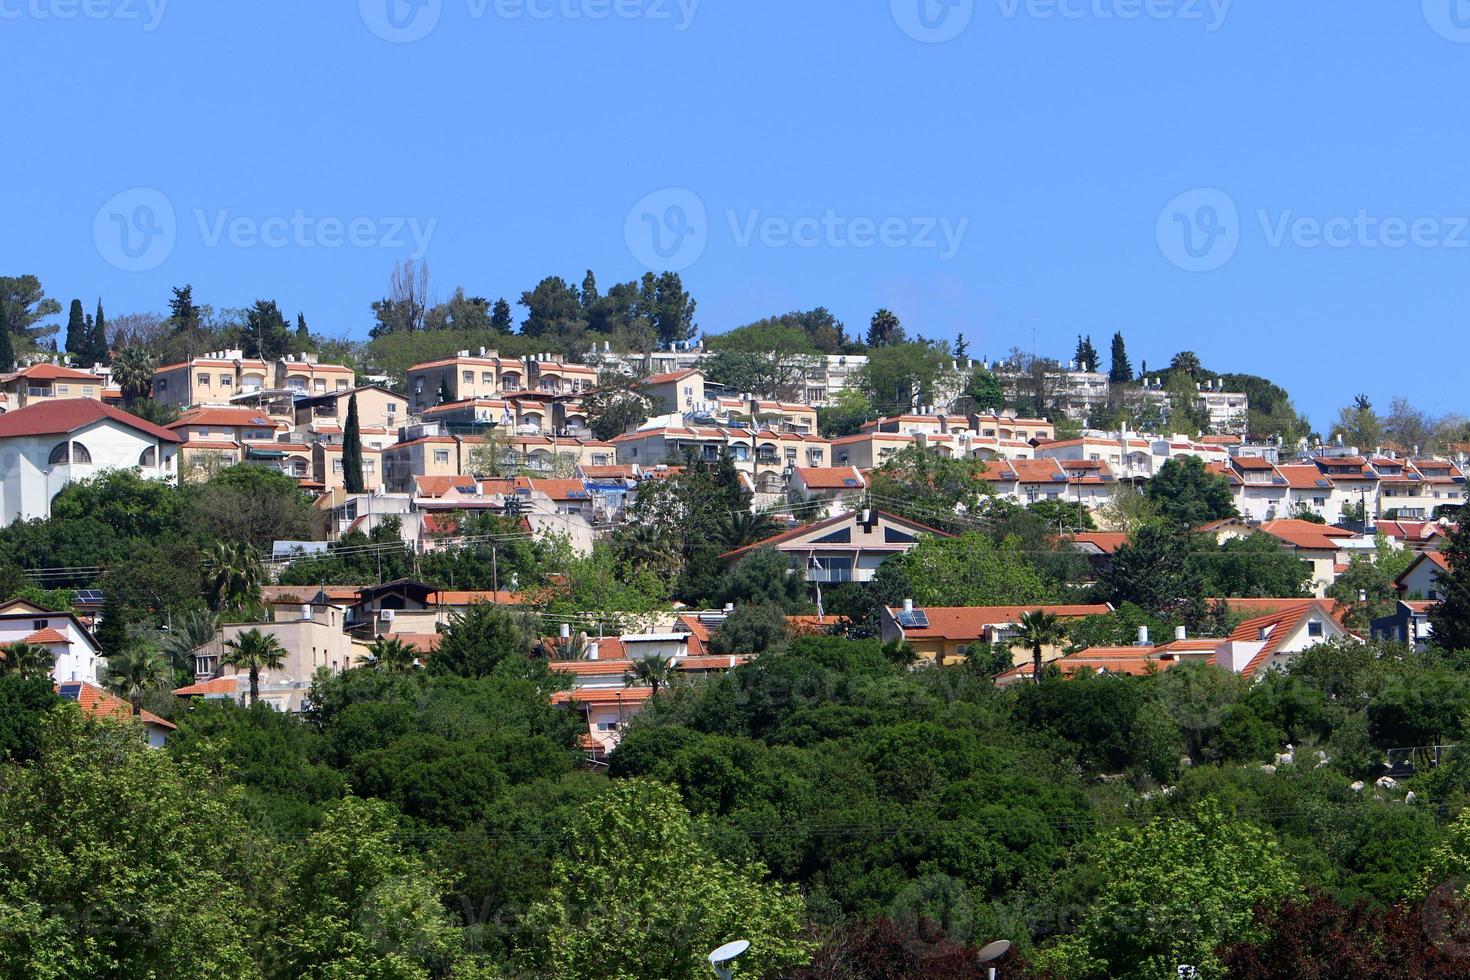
729, 951
995, 950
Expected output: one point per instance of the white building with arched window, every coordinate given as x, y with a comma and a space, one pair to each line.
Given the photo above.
46, 446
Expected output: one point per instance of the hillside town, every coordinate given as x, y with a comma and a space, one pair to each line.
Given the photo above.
449, 585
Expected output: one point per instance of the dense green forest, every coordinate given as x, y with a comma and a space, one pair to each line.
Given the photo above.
817, 801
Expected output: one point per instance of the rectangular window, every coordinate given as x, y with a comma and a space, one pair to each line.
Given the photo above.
392, 409
39, 625
204, 381
225, 381
469, 377
320, 384
63, 389
341, 384
487, 378
441, 455
368, 466
1314, 629
336, 466
163, 384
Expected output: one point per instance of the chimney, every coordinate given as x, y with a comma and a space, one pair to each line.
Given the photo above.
1181, 633
1143, 640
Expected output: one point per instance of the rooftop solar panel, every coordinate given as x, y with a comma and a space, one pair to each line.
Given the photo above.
917, 619
71, 692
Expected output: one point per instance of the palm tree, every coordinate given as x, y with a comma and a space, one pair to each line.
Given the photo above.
233, 573
392, 655
132, 369
744, 528
26, 660
654, 672
254, 651
575, 647
132, 674
1038, 629
1187, 362
187, 635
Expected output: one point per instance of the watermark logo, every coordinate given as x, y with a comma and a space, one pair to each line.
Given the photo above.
148, 13
932, 21
401, 21
668, 229
136, 231
1210, 13
1449, 18
832, 229
1199, 231
406, 21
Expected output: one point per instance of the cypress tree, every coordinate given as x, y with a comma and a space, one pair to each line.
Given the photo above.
352, 450
99, 349
112, 633
1122, 371
7, 350
303, 335
78, 344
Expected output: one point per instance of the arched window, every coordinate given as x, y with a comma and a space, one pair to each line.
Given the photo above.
79, 454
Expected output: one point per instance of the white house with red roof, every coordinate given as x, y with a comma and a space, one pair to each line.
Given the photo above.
97, 703
845, 548
49, 445
73, 648
1421, 579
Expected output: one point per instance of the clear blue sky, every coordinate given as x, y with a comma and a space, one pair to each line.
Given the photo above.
527, 130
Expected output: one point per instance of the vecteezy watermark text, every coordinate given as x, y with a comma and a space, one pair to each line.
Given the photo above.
833, 230
1200, 230
149, 13
405, 21
138, 230
1210, 13
670, 230
936, 21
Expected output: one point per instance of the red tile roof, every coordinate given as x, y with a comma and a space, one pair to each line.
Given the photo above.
669, 378
208, 415
65, 415
229, 686
969, 622
97, 703
1306, 535
46, 637
1107, 542
831, 477
54, 372
603, 696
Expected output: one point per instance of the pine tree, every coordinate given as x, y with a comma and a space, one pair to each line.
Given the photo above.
112, 634
352, 450
77, 341
182, 310
1450, 619
7, 349
303, 335
1122, 371
589, 291
961, 348
100, 351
